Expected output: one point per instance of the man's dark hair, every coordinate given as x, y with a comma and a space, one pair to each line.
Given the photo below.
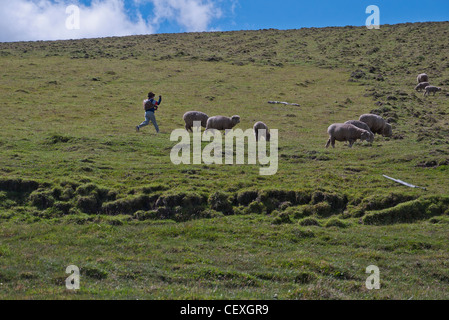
150, 95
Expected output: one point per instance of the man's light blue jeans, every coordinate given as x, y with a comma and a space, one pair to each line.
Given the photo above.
149, 116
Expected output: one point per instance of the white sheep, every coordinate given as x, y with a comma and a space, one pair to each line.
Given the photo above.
430, 89
346, 132
222, 122
377, 124
261, 126
421, 86
422, 78
359, 124
191, 116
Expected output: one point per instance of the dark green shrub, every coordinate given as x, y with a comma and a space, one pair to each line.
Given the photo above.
336, 223
266, 197
5, 202
240, 210
406, 212
188, 213
93, 272
209, 214
18, 185
435, 209
170, 200
69, 184
50, 213
256, 207
309, 222
190, 201
305, 211
193, 200
279, 195
285, 205
115, 222
273, 198
154, 188
128, 205
219, 201
67, 194
359, 207
74, 211
54, 139
302, 197
244, 198
299, 234
88, 204
322, 209
90, 197
86, 189
281, 218
297, 211
79, 218
336, 202
435, 220
145, 215
57, 193
379, 202
63, 207
111, 196
305, 277
104, 194
42, 199
354, 212
164, 213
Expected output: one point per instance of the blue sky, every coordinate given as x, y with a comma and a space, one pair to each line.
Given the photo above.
47, 19
294, 14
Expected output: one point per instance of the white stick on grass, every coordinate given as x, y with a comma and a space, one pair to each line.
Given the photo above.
404, 183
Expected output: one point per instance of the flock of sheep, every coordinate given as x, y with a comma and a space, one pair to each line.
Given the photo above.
350, 131
423, 83
370, 124
363, 129
220, 123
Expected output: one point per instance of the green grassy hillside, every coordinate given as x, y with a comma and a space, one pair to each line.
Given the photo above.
78, 184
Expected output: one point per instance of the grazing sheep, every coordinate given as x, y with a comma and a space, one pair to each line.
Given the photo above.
422, 78
377, 124
430, 89
346, 132
421, 86
222, 123
359, 124
259, 126
191, 116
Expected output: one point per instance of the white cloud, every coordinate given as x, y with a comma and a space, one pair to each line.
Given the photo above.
22, 20
192, 15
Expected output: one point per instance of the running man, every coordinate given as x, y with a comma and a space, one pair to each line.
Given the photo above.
150, 105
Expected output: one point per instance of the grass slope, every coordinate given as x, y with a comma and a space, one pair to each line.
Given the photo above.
79, 186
